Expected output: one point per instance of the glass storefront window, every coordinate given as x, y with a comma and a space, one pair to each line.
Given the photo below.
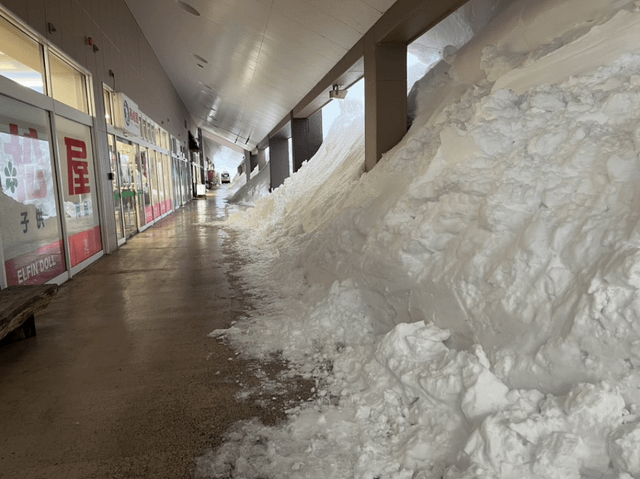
145, 189
108, 107
20, 57
29, 220
143, 129
162, 172
168, 190
79, 195
117, 191
176, 182
68, 84
129, 177
153, 183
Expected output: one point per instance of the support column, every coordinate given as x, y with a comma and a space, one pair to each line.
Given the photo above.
247, 164
262, 159
306, 134
385, 98
279, 154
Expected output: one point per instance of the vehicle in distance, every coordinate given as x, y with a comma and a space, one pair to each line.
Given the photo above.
224, 177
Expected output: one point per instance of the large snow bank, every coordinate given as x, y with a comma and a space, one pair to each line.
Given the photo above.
257, 187
470, 308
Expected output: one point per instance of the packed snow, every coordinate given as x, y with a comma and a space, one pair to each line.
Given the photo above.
470, 308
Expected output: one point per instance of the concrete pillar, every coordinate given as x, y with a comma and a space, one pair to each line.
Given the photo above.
306, 135
279, 153
247, 164
262, 159
385, 98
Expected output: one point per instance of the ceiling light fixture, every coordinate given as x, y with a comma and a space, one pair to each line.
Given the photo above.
337, 93
188, 8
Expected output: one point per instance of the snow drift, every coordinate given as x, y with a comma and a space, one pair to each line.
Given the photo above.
476, 295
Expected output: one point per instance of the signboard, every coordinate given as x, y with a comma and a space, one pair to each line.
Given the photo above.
127, 115
36, 267
79, 190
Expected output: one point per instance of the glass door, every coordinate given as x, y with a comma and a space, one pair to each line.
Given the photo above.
117, 189
153, 183
79, 195
30, 228
127, 165
144, 200
168, 184
160, 176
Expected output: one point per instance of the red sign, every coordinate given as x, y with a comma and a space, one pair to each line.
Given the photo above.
36, 267
77, 166
148, 214
84, 245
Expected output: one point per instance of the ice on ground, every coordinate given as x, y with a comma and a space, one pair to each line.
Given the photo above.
477, 294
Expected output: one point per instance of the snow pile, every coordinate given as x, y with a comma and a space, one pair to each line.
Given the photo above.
257, 187
237, 182
314, 195
477, 294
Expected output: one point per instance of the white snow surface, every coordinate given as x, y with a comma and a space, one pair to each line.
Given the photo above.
246, 193
470, 308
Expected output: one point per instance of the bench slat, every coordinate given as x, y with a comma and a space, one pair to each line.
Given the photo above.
19, 303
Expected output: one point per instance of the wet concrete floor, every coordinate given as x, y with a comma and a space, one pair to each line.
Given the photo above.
122, 380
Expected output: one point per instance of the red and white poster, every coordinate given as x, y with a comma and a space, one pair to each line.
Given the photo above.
36, 267
84, 245
80, 199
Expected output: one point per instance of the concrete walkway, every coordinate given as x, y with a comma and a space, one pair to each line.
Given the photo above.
122, 380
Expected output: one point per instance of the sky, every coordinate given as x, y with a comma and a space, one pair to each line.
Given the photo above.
470, 307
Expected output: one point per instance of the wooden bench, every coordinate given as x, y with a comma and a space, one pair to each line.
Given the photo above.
18, 306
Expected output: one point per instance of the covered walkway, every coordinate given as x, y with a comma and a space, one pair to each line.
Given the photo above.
122, 380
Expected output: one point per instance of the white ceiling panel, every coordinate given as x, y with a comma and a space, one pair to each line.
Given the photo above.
357, 15
317, 21
259, 57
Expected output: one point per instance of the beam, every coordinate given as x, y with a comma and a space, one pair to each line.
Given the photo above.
221, 141
407, 20
346, 72
401, 24
404, 22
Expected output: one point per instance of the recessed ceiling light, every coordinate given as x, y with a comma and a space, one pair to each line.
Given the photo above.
188, 8
200, 59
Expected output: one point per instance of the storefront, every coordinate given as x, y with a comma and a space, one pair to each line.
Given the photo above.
49, 213
145, 166
53, 204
